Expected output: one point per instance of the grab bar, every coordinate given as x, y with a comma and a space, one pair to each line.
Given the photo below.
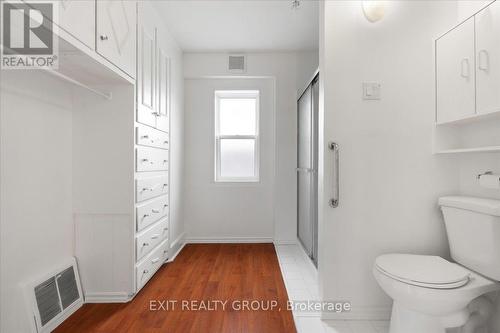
334, 202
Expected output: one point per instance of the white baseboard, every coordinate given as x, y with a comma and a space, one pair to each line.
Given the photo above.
360, 313
110, 297
285, 242
226, 240
172, 258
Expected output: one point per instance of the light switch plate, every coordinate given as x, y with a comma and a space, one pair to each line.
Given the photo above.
371, 91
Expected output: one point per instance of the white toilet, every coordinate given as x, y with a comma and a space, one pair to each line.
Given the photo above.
430, 293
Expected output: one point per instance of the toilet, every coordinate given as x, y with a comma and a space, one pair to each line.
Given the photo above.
432, 294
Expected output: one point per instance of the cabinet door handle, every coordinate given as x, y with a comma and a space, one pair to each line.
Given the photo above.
465, 68
155, 211
484, 60
146, 189
145, 271
155, 236
104, 37
154, 261
145, 215
145, 160
145, 244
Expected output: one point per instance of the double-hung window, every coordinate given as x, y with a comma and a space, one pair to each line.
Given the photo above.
237, 136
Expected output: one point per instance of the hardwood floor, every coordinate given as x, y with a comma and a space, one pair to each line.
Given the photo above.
201, 272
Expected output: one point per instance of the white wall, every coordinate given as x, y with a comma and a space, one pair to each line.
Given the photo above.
289, 71
390, 180
227, 211
36, 185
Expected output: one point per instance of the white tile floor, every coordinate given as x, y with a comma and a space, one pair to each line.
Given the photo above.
301, 283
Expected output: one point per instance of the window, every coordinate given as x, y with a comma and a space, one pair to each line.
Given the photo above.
237, 136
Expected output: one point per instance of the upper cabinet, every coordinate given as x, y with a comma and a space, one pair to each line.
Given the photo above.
146, 70
115, 33
163, 89
455, 63
77, 17
153, 73
468, 68
488, 59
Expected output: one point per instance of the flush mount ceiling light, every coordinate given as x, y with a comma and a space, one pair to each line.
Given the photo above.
295, 4
374, 10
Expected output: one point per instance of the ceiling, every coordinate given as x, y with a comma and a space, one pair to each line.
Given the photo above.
235, 25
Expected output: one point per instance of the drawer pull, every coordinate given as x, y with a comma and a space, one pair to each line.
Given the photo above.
104, 37
154, 261
165, 185
145, 160
147, 189
165, 205
165, 141
145, 137
155, 236
155, 211
145, 244
165, 229
145, 215
145, 271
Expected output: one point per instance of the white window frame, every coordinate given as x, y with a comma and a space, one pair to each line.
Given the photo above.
236, 94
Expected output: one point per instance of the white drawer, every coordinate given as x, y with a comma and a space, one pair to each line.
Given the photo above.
162, 123
149, 238
151, 159
147, 136
150, 264
150, 187
146, 116
151, 211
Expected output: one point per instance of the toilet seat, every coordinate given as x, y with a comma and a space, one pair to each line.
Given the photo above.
423, 271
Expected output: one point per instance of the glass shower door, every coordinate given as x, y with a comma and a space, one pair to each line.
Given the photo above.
307, 230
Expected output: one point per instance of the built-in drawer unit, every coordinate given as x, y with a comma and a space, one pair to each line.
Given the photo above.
151, 211
151, 159
150, 264
148, 136
149, 238
150, 187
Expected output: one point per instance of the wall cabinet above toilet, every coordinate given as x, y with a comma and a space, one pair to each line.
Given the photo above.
468, 68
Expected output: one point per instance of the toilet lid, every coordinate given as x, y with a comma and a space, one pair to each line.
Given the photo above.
424, 271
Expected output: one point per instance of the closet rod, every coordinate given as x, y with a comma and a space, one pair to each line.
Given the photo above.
79, 84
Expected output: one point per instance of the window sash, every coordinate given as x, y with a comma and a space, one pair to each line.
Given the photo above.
218, 137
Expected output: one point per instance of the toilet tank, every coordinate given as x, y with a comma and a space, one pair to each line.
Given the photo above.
473, 227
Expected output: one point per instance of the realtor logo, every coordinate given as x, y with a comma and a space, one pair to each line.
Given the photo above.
28, 39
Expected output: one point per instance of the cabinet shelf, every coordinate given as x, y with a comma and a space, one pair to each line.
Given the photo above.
470, 119
486, 149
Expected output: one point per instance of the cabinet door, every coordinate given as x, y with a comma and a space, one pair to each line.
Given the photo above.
116, 21
77, 17
163, 90
146, 71
488, 59
455, 74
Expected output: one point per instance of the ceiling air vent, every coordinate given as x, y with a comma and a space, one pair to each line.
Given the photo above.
236, 63
55, 297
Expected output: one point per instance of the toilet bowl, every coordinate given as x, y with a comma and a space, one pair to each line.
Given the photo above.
430, 293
